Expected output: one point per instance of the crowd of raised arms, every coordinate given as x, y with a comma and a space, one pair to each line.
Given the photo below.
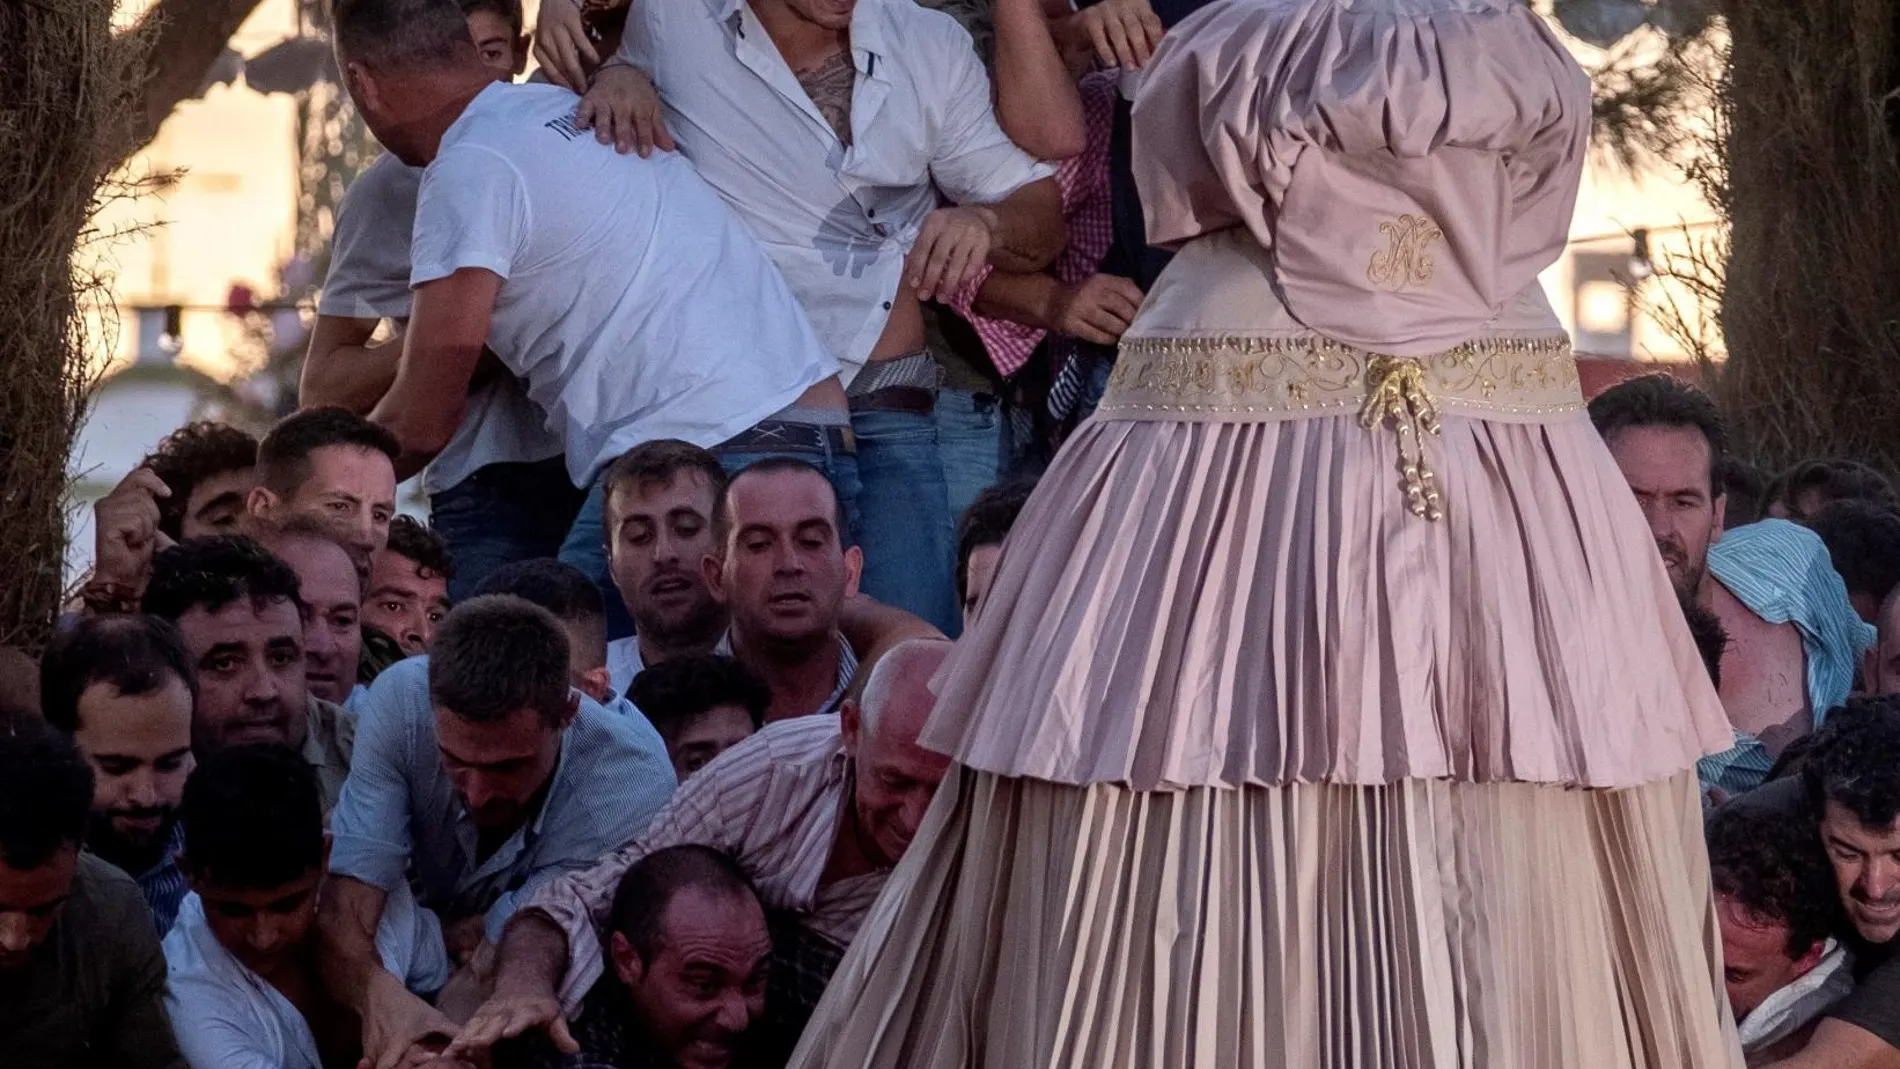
727, 379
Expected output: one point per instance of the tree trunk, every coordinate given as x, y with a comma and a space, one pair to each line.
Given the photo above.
184, 38
63, 81
1812, 287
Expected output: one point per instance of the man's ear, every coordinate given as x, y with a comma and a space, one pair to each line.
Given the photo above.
1721, 518
853, 570
850, 724
596, 683
1806, 962
573, 710
627, 963
713, 569
259, 502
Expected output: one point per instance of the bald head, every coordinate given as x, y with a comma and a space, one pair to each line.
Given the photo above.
896, 777
897, 698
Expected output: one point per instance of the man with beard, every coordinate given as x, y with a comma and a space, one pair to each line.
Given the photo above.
816, 811
123, 688
690, 951
660, 500
495, 778
82, 982
1795, 642
241, 613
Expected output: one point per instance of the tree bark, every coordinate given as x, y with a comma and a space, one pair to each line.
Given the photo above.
1812, 283
185, 38
63, 77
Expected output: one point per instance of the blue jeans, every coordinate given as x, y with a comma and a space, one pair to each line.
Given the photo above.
501, 514
586, 544
905, 528
970, 439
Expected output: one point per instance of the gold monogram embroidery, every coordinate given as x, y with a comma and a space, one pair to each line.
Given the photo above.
1406, 262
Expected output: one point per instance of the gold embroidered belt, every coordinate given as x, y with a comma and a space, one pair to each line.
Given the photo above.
1245, 379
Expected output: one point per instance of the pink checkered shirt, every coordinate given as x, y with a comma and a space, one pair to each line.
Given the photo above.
773, 802
1085, 207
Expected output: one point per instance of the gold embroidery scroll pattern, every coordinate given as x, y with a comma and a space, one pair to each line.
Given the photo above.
1407, 261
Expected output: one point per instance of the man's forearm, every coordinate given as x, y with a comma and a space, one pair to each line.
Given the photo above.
532, 955
346, 922
1029, 231
343, 368
1036, 99
1839, 1045
1018, 298
353, 376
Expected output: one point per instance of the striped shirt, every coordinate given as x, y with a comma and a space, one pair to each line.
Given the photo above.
774, 802
1783, 573
163, 885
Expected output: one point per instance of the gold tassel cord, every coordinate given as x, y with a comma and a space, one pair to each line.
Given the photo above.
1395, 392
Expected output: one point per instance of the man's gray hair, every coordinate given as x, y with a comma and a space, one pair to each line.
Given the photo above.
893, 667
408, 33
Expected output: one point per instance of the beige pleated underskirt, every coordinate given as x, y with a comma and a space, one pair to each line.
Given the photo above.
1423, 925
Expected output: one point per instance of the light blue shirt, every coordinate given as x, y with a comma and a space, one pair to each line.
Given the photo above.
399, 808
1783, 573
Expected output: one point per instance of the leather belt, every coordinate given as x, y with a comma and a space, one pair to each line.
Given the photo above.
914, 399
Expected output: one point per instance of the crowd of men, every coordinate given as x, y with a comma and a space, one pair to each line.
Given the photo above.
723, 430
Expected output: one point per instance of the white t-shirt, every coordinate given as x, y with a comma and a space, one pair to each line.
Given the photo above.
228, 1017
635, 305
369, 279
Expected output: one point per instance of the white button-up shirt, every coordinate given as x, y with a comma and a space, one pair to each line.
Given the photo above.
837, 219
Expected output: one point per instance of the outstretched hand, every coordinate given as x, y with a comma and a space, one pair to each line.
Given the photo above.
508, 1014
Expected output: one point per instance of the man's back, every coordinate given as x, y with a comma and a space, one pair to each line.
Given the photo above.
92, 994
634, 304
369, 280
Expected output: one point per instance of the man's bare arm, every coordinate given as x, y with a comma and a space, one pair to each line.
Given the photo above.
343, 368
1036, 99
1840, 1045
528, 969
447, 332
394, 1020
1028, 231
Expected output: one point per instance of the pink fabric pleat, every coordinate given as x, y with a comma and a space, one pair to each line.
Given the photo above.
1203, 604
1424, 925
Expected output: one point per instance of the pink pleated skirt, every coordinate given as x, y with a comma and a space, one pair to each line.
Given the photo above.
1328, 711
1428, 924
1217, 603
